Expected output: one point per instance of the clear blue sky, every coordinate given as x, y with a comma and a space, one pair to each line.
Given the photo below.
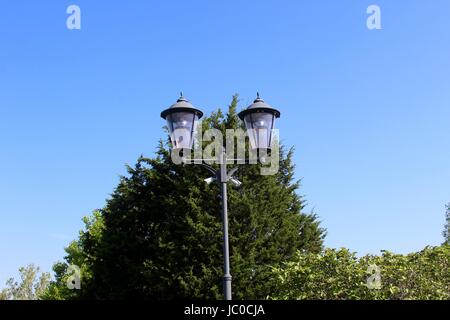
367, 111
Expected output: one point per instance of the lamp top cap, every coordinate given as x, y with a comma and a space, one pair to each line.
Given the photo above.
182, 105
259, 105
258, 98
182, 98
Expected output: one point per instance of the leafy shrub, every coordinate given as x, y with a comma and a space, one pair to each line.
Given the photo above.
339, 274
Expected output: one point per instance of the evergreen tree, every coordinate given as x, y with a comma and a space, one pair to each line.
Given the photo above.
160, 234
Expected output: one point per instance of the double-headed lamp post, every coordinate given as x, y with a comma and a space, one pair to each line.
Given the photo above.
259, 119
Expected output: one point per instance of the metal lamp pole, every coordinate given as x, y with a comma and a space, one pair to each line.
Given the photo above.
257, 117
223, 176
226, 251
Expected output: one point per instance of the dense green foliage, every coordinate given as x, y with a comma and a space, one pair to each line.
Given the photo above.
76, 255
159, 236
339, 274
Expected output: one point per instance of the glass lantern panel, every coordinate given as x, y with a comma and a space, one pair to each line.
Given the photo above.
260, 125
181, 127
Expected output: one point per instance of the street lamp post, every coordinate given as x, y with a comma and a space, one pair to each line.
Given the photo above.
259, 119
226, 250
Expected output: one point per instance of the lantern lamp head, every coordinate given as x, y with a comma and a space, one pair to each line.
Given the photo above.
182, 118
259, 119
